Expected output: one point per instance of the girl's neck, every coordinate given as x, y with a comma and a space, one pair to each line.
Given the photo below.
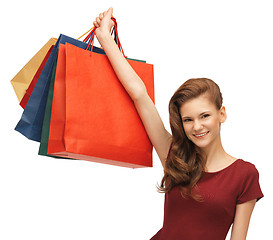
217, 157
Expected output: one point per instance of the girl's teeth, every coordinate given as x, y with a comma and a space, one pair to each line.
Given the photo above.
201, 135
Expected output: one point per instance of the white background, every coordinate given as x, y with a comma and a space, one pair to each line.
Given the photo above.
230, 42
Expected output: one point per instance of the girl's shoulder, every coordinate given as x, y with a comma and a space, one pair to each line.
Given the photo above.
247, 177
246, 166
245, 171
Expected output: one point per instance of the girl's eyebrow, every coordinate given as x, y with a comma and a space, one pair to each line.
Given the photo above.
185, 117
204, 112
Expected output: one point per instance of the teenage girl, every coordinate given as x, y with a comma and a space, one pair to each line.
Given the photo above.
206, 189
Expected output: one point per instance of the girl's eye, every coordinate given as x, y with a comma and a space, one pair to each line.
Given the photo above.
205, 116
186, 120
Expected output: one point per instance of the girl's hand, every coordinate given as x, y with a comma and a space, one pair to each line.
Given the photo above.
103, 22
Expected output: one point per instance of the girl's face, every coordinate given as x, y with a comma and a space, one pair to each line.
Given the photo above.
202, 121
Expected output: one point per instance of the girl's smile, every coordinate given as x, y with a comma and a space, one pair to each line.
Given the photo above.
201, 135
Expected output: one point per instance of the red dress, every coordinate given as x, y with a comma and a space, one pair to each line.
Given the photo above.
186, 219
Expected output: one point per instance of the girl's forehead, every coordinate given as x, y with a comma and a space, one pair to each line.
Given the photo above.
197, 106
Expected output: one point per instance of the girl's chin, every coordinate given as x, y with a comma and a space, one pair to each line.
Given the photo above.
201, 144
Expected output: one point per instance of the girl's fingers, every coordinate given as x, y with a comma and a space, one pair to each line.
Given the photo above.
96, 24
98, 20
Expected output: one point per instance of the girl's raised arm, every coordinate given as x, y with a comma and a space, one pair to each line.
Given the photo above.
159, 136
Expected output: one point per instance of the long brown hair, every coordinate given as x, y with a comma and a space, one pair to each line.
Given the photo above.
185, 162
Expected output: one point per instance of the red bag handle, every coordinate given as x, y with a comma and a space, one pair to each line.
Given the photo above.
114, 30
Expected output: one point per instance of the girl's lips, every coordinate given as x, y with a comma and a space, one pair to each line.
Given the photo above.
201, 134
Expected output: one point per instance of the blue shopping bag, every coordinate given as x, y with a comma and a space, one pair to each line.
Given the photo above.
31, 122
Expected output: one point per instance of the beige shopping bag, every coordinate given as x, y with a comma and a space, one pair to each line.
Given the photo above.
24, 77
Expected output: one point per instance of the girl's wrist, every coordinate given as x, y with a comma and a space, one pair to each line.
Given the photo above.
102, 34
104, 37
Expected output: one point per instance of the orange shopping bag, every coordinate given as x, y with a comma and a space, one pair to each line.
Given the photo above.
93, 117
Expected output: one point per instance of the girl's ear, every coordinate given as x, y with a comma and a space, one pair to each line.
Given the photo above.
222, 114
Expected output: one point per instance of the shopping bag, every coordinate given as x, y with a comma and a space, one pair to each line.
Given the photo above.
99, 121
30, 124
57, 85
24, 77
31, 86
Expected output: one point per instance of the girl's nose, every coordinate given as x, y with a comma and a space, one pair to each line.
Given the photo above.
197, 126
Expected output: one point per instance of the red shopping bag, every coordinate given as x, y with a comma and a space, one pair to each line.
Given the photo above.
93, 118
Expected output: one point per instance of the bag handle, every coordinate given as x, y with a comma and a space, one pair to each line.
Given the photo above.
85, 34
91, 31
91, 35
116, 35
